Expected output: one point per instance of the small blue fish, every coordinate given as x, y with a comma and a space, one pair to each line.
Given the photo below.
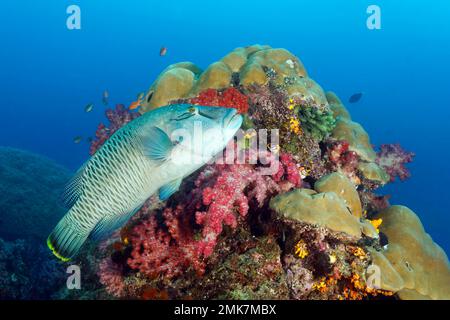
89, 107
355, 97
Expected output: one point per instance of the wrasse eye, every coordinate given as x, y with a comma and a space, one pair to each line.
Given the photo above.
192, 110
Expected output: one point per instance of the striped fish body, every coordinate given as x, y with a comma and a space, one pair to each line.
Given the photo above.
130, 167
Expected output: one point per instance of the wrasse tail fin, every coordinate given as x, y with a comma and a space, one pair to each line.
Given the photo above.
64, 241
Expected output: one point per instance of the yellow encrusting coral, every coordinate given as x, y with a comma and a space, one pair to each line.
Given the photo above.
359, 253
376, 223
301, 249
294, 125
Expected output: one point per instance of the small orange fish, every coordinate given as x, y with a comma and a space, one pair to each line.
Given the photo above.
135, 104
163, 51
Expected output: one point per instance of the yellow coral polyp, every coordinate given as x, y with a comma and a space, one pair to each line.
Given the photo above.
360, 253
363, 290
301, 250
320, 286
294, 125
376, 223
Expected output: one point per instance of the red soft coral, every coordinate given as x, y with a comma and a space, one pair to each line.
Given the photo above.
221, 197
159, 251
341, 158
230, 98
392, 159
229, 198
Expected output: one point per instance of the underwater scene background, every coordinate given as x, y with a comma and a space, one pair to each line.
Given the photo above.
57, 83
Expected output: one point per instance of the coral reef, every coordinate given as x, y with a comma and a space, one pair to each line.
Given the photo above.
27, 271
313, 228
30, 189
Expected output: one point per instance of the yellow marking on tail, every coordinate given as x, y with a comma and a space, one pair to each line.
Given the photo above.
52, 248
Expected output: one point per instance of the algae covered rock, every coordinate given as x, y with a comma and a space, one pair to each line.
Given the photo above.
421, 263
30, 189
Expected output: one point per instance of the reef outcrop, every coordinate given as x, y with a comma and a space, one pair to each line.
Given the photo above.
314, 228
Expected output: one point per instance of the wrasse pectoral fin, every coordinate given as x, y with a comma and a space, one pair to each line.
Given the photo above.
157, 144
167, 190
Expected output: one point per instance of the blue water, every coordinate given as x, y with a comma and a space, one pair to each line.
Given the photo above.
49, 73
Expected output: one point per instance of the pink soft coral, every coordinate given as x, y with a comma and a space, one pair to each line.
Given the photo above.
117, 118
392, 159
111, 276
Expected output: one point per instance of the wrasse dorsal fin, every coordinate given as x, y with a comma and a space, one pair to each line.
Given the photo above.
73, 188
157, 144
170, 188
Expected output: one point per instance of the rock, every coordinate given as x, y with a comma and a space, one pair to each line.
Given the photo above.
421, 263
30, 190
338, 183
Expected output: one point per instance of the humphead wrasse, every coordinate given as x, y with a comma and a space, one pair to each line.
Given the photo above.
150, 154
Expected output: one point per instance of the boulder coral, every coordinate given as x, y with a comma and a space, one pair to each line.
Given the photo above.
413, 256
344, 188
243, 67
334, 204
